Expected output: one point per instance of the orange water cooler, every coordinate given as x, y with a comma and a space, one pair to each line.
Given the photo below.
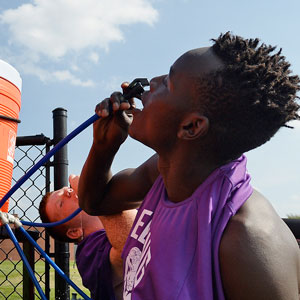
10, 104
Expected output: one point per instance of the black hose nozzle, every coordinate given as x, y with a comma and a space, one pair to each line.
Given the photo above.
135, 88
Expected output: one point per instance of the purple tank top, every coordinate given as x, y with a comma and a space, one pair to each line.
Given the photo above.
172, 250
92, 259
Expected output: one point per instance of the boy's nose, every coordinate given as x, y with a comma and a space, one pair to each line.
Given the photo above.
68, 191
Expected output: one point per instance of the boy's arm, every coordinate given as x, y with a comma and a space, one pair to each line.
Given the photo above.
259, 256
117, 229
99, 192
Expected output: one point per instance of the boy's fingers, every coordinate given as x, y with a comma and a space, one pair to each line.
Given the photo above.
102, 108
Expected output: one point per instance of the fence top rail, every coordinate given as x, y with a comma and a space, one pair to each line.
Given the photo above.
4, 234
39, 139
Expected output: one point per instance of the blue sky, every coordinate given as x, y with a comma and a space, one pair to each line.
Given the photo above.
74, 53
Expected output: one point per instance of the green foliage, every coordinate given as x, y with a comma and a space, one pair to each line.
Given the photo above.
293, 216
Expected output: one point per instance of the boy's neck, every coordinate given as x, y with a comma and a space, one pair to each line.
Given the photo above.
182, 175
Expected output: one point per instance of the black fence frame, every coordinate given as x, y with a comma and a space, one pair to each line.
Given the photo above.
60, 167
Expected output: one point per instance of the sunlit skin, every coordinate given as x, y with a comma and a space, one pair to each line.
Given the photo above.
61, 203
173, 124
64, 202
170, 101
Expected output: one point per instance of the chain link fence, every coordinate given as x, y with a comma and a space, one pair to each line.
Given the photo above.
14, 280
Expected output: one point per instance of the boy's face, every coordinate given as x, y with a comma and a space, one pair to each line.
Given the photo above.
170, 98
61, 204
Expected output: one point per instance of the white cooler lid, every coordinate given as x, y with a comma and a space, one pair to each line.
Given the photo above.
11, 74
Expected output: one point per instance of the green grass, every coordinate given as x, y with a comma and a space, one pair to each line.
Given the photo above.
11, 277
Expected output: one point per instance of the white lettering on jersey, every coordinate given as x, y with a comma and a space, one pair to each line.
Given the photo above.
145, 259
132, 261
140, 223
137, 260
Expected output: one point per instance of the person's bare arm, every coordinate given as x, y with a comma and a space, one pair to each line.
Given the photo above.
99, 192
259, 256
123, 191
117, 229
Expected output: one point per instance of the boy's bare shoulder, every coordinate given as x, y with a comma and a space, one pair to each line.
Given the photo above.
259, 256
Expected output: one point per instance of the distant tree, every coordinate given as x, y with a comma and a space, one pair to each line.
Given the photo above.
293, 216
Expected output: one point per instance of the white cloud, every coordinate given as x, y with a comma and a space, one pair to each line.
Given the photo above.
49, 76
94, 57
65, 75
54, 29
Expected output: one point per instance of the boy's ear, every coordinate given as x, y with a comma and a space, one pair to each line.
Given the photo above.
74, 233
193, 126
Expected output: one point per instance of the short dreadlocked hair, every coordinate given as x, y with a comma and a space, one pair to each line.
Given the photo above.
250, 98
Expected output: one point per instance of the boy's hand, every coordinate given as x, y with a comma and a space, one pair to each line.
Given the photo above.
112, 127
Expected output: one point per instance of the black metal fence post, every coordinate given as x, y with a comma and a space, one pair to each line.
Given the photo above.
62, 255
47, 237
28, 287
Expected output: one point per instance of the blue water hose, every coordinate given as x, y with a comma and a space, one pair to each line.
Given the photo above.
71, 216
137, 87
49, 260
134, 89
25, 261
57, 147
